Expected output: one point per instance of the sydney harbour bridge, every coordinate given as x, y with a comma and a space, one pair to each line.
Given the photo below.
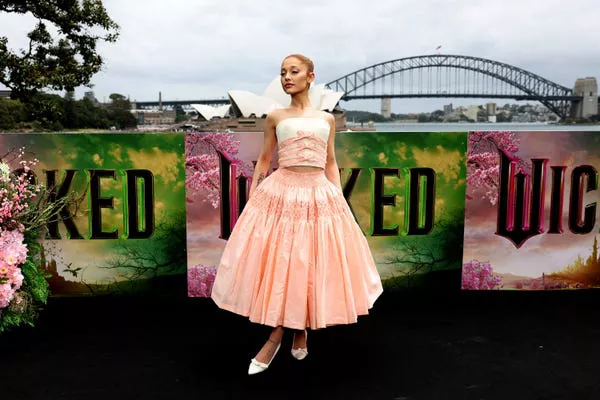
441, 76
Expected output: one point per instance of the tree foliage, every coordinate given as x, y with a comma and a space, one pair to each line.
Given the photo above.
11, 113
119, 110
202, 163
483, 161
60, 61
53, 112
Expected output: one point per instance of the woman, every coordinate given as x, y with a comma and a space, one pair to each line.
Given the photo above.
296, 257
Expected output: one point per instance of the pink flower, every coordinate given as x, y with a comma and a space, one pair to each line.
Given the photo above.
483, 161
12, 249
6, 294
202, 162
478, 275
15, 194
200, 280
16, 278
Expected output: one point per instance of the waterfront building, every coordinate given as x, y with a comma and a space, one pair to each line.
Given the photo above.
155, 117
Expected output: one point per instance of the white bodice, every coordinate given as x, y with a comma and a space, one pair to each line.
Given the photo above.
289, 127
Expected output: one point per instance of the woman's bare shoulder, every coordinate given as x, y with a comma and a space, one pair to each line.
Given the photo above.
275, 116
328, 117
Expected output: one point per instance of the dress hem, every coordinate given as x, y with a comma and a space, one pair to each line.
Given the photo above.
285, 324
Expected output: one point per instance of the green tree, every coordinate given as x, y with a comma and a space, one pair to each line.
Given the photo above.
63, 62
91, 116
437, 115
11, 113
502, 117
119, 102
423, 118
70, 117
180, 115
119, 111
47, 110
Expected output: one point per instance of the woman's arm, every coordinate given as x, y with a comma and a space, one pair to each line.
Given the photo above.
264, 160
332, 171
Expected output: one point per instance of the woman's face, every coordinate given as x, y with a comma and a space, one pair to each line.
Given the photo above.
295, 76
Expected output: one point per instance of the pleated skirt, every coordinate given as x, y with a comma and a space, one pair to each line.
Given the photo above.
296, 257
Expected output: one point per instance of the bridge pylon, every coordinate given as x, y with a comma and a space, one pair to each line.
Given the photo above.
587, 89
386, 107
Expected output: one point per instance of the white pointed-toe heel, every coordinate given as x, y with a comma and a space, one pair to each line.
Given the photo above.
302, 352
257, 367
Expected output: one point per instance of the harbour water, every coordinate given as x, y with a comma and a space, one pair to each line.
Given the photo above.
465, 127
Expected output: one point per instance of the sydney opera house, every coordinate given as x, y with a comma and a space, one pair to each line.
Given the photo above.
247, 111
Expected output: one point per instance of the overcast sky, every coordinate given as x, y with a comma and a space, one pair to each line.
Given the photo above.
194, 49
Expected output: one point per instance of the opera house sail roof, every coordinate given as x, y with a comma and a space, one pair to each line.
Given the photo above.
245, 104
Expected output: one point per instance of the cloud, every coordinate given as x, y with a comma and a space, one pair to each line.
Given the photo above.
194, 50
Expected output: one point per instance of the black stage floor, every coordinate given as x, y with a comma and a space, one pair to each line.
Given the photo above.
501, 345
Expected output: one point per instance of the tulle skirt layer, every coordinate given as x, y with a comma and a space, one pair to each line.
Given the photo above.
296, 256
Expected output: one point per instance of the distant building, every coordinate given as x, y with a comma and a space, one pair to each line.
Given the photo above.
5, 94
91, 97
471, 113
448, 109
506, 113
523, 117
490, 108
155, 117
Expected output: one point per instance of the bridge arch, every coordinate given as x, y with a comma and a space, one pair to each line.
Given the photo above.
526, 85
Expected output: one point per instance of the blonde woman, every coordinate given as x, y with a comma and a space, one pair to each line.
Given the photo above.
296, 257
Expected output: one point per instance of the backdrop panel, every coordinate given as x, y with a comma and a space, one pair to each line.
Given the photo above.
406, 190
532, 210
129, 233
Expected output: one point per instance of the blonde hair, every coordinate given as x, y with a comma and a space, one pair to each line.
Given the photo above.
304, 60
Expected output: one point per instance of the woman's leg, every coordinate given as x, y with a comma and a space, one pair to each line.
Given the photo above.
299, 340
266, 353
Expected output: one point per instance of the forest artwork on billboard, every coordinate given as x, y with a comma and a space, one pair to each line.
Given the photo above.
128, 234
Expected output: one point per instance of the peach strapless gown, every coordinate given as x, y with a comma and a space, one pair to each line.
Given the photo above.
296, 256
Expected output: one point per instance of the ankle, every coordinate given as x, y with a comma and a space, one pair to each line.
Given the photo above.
276, 335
